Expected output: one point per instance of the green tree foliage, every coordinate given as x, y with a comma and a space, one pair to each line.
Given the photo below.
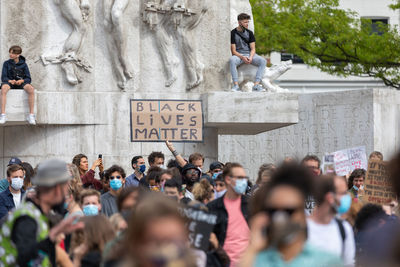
325, 36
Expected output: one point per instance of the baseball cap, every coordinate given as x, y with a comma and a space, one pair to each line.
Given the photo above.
216, 165
51, 172
14, 160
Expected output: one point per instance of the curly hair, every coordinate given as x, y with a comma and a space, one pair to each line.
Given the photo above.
357, 173
114, 168
203, 191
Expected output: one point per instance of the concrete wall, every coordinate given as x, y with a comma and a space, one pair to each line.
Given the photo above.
327, 122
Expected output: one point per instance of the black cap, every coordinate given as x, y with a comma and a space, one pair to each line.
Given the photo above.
189, 166
216, 165
14, 160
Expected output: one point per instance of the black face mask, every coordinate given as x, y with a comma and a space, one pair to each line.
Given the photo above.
191, 181
59, 208
282, 231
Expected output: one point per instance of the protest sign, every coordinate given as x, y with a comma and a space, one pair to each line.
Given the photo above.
377, 186
160, 120
200, 226
328, 164
348, 160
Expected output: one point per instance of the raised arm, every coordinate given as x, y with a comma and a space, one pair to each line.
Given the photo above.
181, 161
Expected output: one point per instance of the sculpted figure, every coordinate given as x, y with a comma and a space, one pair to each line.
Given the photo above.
185, 25
156, 15
117, 41
246, 74
173, 19
76, 13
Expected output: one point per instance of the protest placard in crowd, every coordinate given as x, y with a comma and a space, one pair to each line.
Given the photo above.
160, 120
378, 187
347, 160
200, 226
328, 164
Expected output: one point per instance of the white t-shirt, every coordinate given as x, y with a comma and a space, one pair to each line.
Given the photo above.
327, 237
16, 198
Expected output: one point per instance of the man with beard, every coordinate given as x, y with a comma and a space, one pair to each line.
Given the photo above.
190, 176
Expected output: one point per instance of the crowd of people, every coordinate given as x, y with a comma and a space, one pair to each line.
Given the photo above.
60, 214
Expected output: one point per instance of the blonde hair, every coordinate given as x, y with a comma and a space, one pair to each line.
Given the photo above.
115, 220
202, 191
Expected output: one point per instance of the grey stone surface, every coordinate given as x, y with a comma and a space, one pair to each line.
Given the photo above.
249, 113
327, 122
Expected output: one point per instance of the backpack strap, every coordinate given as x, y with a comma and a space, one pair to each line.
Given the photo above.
247, 41
342, 233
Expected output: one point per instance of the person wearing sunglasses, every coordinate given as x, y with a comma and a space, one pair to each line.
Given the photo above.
232, 229
278, 224
190, 175
116, 175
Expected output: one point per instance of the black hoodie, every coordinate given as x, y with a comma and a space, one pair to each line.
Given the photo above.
15, 71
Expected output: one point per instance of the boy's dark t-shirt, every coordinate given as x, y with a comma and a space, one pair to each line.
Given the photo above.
242, 40
15, 71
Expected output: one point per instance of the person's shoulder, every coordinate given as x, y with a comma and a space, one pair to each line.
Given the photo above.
216, 203
347, 227
250, 31
105, 196
233, 30
5, 193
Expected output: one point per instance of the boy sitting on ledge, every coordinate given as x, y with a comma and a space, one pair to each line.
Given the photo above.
16, 75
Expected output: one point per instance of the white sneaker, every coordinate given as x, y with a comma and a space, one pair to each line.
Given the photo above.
3, 118
31, 119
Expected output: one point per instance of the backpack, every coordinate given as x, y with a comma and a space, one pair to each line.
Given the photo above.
342, 233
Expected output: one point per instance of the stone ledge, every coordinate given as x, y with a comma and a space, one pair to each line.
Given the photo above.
17, 108
241, 113
249, 113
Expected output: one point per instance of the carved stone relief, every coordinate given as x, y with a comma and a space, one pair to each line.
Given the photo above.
76, 12
176, 19
117, 39
246, 74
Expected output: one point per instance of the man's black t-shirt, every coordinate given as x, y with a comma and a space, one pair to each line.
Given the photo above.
242, 40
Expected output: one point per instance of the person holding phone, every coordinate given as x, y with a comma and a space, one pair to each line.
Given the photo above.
87, 175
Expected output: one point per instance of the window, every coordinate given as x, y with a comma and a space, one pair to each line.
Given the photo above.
296, 59
375, 22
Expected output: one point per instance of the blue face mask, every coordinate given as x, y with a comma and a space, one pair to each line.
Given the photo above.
65, 205
241, 186
355, 187
345, 203
215, 175
220, 194
90, 210
142, 168
115, 184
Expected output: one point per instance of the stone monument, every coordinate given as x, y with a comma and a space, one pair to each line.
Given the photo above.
83, 52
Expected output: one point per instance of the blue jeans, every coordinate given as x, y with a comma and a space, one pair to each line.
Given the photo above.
258, 61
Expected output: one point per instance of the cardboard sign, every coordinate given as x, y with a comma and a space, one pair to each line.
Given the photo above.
377, 186
160, 120
348, 160
200, 226
328, 164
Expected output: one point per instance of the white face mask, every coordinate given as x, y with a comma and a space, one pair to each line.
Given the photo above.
17, 183
162, 167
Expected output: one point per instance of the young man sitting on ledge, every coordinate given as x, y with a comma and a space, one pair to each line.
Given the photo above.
243, 48
16, 75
